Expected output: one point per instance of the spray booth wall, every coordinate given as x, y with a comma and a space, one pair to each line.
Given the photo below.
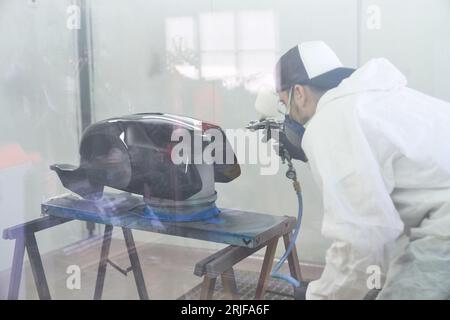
204, 59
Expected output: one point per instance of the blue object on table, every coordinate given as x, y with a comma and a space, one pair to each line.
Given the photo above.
204, 214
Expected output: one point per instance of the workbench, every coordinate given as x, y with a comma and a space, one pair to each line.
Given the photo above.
244, 232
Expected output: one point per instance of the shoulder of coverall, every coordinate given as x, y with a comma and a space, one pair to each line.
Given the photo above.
375, 75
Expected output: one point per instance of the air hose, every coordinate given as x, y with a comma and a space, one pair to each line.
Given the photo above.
291, 174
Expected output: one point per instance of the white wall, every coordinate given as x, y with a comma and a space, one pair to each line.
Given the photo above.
415, 37
38, 115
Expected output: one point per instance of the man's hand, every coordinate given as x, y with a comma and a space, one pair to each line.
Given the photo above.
281, 138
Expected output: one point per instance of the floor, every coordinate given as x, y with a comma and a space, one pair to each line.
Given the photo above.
168, 271
246, 284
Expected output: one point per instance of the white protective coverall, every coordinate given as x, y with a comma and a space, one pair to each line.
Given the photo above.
380, 152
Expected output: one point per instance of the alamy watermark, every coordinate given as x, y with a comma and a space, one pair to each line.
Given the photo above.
73, 281
374, 278
73, 21
220, 147
373, 21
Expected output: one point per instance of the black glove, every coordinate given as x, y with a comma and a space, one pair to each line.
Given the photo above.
300, 292
294, 152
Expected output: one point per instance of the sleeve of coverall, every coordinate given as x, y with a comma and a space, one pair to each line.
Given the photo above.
359, 215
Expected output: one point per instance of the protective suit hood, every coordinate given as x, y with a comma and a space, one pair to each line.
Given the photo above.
376, 75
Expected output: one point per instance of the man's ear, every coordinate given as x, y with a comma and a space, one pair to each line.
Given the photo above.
299, 95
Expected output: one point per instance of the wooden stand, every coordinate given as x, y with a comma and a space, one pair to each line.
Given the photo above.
221, 264
24, 236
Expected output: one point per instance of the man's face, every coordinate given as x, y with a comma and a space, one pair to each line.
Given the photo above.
303, 103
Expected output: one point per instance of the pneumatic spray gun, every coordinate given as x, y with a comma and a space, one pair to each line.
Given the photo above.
268, 125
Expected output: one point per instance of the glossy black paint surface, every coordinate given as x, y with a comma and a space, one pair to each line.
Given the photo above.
133, 153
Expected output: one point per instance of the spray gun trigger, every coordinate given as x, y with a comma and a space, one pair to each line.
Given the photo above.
268, 133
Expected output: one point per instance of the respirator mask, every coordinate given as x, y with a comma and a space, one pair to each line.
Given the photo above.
292, 134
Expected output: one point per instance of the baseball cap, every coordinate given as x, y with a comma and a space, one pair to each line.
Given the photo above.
310, 63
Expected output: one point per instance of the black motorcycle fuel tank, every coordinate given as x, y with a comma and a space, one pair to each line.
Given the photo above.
133, 153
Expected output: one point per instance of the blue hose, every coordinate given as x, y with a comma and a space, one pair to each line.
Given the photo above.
275, 274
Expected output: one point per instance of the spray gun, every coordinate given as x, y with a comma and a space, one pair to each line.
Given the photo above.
269, 124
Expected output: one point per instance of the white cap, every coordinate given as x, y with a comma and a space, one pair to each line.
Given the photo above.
310, 63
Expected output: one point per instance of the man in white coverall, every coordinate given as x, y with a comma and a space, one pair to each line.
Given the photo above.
380, 153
